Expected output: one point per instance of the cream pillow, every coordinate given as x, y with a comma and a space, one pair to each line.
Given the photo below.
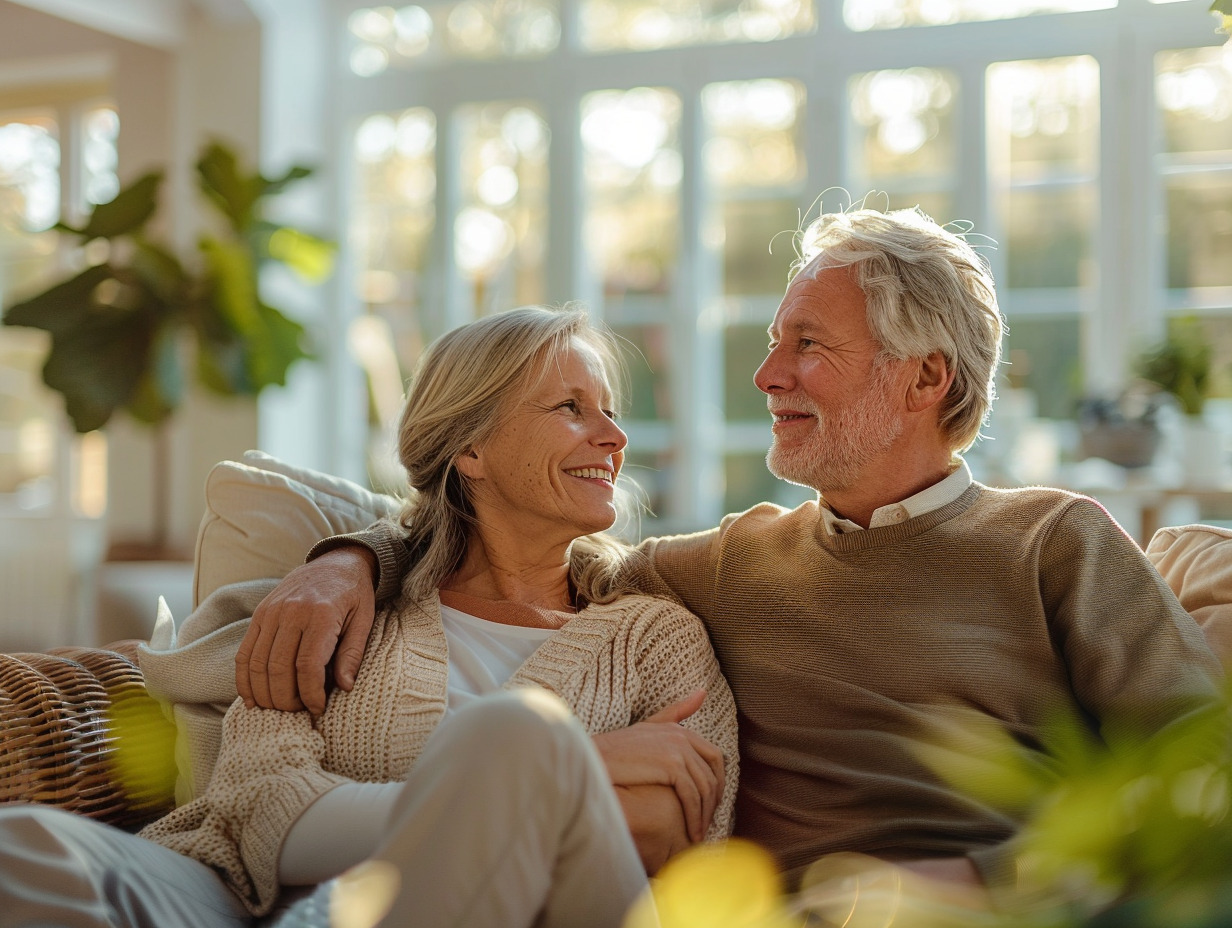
262, 515
1196, 561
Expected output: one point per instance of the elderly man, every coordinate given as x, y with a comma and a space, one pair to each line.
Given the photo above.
904, 587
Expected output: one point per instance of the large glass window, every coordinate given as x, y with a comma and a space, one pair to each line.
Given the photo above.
894, 14
644, 24
1193, 89
42, 469
904, 137
1043, 149
500, 231
655, 159
382, 37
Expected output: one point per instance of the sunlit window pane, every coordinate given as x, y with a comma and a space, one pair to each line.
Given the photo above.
1043, 118
1194, 91
606, 25
652, 472
100, 132
385, 36
753, 130
29, 205
647, 351
1046, 354
894, 14
1048, 237
904, 123
755, 171
903, 139
744, 348
748, 482
632, 175
392, 222
499, 234
1200, 230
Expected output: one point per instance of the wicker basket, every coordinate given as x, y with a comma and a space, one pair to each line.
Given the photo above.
68, 719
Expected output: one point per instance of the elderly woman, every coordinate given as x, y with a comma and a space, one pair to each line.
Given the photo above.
468, 755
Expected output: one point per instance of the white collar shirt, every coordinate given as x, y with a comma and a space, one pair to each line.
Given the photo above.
941, 493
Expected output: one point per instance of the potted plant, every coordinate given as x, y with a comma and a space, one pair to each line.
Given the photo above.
1123, 429
1180, 366
131, 329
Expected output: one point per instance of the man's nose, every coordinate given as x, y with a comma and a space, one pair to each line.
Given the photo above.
770, 376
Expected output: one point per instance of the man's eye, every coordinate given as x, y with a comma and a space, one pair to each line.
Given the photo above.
807, 343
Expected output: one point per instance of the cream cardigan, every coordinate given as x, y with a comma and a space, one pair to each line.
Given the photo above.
614, 664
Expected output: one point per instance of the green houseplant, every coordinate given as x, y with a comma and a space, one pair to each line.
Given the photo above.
1180, 365
130, 330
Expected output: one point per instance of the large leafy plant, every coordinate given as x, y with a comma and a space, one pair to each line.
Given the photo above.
127, 330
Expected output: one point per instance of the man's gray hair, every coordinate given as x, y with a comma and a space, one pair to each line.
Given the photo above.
926, 290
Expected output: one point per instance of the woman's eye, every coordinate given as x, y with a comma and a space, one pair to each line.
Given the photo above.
571, 405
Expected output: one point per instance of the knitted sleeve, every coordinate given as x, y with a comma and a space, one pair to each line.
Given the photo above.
268, 773
673, 659
1134, 655
384, 539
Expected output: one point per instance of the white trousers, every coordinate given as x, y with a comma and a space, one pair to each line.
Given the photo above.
508, 819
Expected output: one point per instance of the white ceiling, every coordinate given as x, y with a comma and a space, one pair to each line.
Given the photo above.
161, 23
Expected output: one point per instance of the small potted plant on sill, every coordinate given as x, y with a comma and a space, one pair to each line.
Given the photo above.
1123, 429
1180, 367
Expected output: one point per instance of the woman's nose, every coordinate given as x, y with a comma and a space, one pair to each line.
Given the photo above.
612, 435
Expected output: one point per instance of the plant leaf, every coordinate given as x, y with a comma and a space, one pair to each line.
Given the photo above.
64, 307
280, 345
127, 211
271, 186
234, 277
98, 365
310, 257
162, 272
226, 187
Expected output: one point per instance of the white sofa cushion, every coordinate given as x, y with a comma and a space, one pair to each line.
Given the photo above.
262, 515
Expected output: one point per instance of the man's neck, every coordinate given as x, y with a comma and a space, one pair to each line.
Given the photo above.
873, 491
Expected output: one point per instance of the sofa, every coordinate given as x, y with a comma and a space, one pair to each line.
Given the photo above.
81, 729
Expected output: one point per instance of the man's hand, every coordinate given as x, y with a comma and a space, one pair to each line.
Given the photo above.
325, 604
656, 823
659, 752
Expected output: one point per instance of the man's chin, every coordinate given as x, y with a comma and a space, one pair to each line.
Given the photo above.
786, 468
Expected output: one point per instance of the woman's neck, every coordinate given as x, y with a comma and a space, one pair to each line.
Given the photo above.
512, 576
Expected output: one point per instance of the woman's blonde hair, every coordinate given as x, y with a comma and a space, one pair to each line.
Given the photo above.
926, 289
463, 388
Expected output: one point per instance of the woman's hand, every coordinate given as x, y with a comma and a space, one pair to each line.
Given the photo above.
658, 751
321, 611
656, 823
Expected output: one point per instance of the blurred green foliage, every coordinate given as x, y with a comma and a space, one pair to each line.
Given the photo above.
123, 330
1180, 365
1119, 831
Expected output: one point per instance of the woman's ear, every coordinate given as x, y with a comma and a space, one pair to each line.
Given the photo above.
468, 464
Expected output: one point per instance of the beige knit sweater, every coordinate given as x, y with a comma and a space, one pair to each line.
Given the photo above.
845, 651
614, 664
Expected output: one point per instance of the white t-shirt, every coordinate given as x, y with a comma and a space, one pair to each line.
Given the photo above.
483, 654
347, 825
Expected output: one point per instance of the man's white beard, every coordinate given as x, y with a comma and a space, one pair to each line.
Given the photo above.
836, 454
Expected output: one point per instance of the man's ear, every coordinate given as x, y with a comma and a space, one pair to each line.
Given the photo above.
468, 464
930, 382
